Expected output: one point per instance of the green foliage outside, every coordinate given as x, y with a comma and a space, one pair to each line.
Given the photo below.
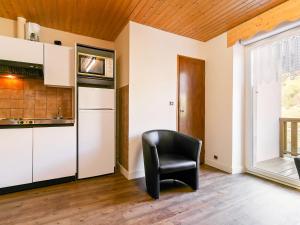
290, 97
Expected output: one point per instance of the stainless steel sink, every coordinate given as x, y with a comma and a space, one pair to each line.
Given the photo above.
27, 121
53, 121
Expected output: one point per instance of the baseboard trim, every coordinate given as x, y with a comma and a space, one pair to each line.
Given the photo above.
238, 169
123, 171
38, 184
136, 174
218, 165
131, 175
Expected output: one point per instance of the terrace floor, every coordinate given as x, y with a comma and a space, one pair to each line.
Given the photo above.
284, 166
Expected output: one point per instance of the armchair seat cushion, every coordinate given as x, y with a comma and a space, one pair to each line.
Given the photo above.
169, 163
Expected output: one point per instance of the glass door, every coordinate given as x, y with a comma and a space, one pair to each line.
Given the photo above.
273, 75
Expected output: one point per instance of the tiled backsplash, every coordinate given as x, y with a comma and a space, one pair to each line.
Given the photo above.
29, 98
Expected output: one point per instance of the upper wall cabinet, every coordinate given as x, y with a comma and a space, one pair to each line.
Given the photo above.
20, 50
59, 65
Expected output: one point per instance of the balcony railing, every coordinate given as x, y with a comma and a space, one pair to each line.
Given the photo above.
289, 134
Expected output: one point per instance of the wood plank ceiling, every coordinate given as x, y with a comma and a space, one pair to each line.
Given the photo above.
104, 19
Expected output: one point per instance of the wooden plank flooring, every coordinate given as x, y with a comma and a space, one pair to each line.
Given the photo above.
283, 166
222, 199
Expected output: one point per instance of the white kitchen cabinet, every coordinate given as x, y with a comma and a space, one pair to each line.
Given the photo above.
15, 157
59, 65
20, 50
54, 152
96, 143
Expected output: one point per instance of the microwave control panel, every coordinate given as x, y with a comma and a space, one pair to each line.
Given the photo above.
109, 67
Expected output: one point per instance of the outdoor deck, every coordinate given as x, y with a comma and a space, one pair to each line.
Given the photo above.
284, 166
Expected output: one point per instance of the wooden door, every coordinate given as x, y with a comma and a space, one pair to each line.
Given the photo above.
191, 98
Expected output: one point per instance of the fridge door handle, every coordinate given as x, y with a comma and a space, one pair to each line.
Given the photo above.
97, 109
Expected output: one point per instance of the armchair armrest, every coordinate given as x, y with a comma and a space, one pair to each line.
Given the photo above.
151, 160
297, 163
189, 146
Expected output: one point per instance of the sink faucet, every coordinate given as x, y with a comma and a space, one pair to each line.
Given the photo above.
59, 113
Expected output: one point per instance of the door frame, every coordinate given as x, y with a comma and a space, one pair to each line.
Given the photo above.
250, 140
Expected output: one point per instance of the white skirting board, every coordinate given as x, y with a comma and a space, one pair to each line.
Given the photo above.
141, 173
132, 175
225, 168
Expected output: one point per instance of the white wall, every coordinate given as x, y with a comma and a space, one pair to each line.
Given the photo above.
122, 48
219, 103
48, 35
238, 109
153, 83
8, 27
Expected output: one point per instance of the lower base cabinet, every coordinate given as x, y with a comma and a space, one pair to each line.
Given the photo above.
30, 155
15, 157
54, 153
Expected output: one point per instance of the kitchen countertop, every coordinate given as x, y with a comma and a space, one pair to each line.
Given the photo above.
27, 123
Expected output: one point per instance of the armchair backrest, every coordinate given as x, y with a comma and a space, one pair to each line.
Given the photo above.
162, 139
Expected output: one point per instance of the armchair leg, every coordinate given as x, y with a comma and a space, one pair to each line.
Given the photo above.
153, 186
190, 177
194, 179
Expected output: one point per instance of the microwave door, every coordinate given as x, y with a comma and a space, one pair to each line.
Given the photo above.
92, 65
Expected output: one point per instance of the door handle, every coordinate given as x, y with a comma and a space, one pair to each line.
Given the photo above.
181, 110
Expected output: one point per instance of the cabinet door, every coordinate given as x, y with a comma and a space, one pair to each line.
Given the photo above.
54, 152
96, 98
20, 50
58, 65
96, 143
15, 157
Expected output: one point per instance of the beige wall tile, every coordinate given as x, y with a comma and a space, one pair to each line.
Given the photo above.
29, 103
5, 93
5, 104
16, 113
4, 113
17, 104
29, 113
17, 94
30, 98
40, 113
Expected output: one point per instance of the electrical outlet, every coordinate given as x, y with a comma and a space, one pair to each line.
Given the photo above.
215, 157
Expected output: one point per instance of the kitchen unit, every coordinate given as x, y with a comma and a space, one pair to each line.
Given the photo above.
37, 126
58, 61
33, 153
41, 143
96, 112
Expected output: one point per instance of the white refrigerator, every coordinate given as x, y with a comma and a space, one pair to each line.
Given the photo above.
96, 131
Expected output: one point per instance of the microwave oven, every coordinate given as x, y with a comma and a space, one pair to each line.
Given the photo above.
95, 66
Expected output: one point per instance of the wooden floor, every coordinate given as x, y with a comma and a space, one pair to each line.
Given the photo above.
283, 166
221, 200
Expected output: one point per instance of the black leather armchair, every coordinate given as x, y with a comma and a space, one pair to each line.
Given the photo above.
297, 163
170, 155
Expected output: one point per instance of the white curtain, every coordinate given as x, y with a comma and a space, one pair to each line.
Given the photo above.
290, 56
279, 58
